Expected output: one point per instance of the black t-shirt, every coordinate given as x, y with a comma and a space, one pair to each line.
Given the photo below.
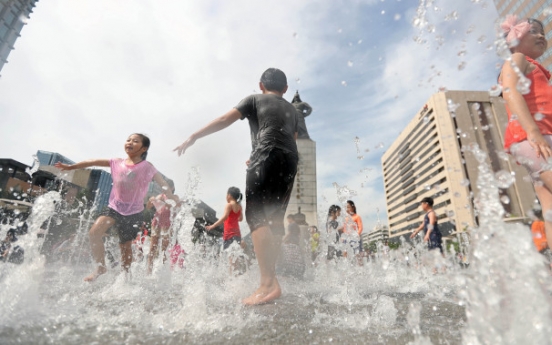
273, 123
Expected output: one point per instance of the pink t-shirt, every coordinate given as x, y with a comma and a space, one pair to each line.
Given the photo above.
130, 185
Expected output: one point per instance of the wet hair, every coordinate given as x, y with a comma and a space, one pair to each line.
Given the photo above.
333, 210
145, 143
274, 79
350, 202
428, 200
235, 193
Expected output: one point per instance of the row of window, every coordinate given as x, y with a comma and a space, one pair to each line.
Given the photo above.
433, 152
394, 155
417, 146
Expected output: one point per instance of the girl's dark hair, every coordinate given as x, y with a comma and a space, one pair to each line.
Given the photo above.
145, 143
235, 193
333, 209
350, 202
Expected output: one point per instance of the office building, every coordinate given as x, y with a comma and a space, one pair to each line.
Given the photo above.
538, 9
13, 16
430, 159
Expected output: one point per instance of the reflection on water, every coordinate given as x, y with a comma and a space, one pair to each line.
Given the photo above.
408, 296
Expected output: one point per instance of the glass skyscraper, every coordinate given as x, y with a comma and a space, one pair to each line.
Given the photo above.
13, 16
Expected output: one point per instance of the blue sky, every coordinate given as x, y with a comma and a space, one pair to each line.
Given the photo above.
86, 74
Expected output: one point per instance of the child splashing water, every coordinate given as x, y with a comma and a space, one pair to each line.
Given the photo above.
528, 135
231, 218
131, 178
160, 226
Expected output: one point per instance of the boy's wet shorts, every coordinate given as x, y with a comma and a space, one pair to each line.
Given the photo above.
268, 189
527, 156
127, 226
229, 241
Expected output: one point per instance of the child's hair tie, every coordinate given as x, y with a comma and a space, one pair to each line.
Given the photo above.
514, 29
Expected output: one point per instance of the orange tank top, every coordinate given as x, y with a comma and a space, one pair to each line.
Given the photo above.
539, 100
539, 236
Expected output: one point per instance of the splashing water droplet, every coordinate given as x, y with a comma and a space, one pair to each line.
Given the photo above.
344, 83
481, 39
523, 85
465, 182
379, 146
298, 80
504, 179
383, 12
360, 157
495, 90
451, 106
350, 63
539, 117
461, 53
505, 199
457, 195
397, 16
426, 120
461, 65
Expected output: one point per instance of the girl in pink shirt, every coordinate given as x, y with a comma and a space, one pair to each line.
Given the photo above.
131, 177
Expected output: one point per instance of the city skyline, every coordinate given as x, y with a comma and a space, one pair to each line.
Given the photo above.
95, 75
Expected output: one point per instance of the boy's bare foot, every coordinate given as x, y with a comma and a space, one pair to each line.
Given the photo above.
264, 295
94, 275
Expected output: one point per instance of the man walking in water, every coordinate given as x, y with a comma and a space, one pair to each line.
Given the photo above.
270, 174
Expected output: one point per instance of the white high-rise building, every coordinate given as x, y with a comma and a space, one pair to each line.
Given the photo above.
429, 159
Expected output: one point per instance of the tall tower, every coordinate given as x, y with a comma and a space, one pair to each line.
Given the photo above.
13, 16
531, 9
304, 197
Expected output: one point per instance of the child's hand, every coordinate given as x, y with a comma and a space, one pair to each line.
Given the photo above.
539, 144
184, 146
426, 238
62, 166
208, 227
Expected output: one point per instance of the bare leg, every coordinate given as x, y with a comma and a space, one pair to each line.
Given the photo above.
545, 198
266, 249
96, 233
165, 239
126, 254
154, 241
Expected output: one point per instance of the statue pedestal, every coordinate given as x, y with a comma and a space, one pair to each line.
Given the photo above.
304, 194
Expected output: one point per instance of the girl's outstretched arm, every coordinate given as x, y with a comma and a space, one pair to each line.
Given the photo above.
221, 220
83, 164
214, 126
518, 106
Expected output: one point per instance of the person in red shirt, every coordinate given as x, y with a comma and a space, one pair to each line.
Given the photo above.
231, 218
528, 96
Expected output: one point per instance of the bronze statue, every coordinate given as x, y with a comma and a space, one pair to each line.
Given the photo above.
304, 110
